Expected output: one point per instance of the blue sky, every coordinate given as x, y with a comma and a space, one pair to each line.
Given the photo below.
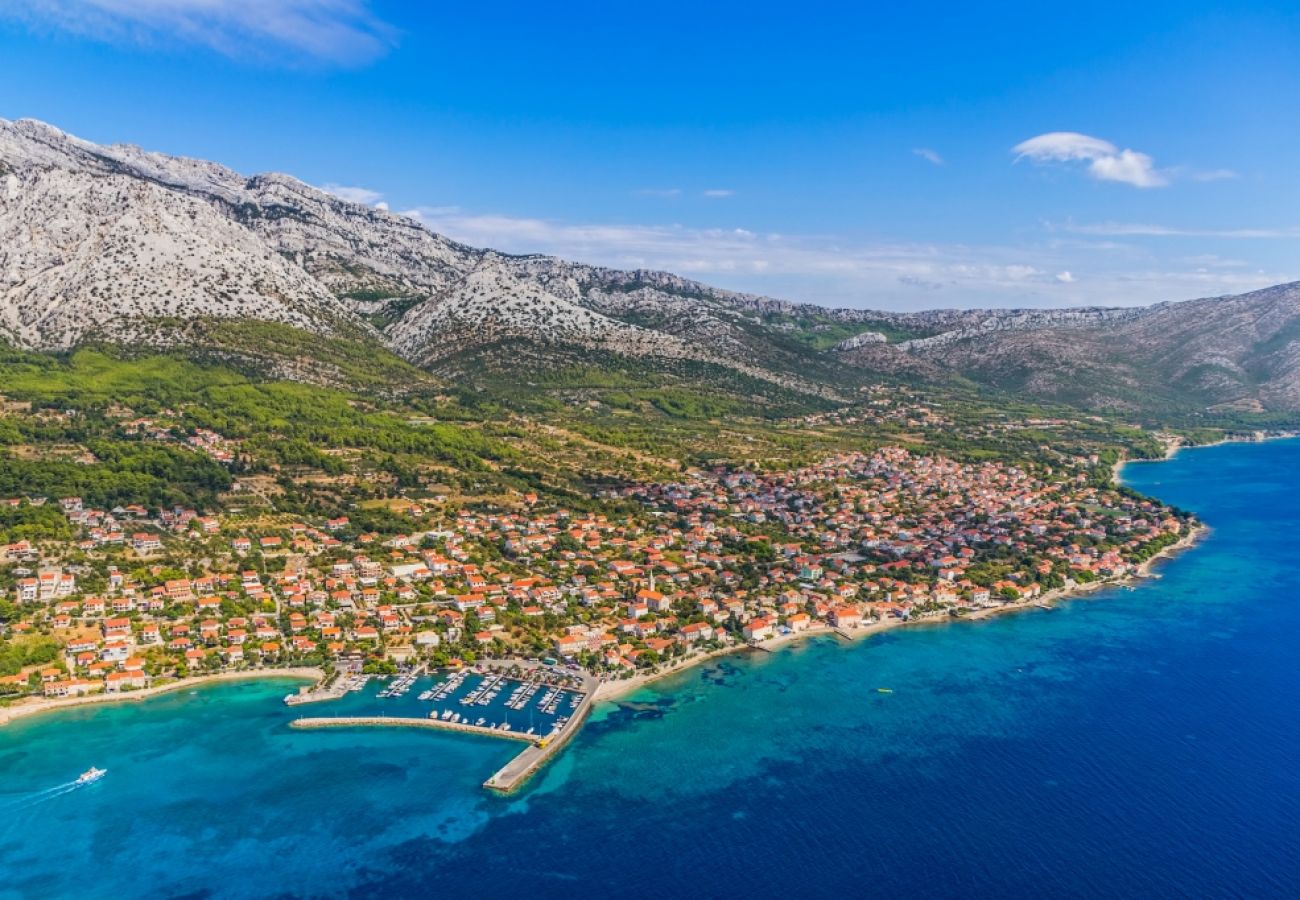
994, 154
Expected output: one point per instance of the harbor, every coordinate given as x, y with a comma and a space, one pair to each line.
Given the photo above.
530, 702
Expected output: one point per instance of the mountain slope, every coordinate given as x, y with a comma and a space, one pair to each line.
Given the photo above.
84, 252
113, 243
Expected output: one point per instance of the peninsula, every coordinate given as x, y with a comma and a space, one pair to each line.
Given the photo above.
724, 559
333, 443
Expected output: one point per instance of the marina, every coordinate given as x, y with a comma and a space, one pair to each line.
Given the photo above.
532, 703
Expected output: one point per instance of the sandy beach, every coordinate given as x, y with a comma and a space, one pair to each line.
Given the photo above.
34, 707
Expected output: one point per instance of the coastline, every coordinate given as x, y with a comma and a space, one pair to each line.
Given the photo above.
45, 705
1173, 444
610, 691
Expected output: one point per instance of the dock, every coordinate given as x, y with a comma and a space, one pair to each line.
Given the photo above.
316, 695
321, 693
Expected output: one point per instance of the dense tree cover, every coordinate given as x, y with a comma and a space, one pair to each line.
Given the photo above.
28, 651
78, 401
34, 523
150, 474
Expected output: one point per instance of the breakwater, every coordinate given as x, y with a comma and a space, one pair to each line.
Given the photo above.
515, 773
406, 722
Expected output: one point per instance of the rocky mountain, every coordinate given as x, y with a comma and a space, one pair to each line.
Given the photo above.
116, 243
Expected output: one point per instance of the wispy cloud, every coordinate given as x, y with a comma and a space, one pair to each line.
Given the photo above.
354, 194
719, 193
1105, 161
341, 32
1141, 229
929, 155
830, 269
1213, 175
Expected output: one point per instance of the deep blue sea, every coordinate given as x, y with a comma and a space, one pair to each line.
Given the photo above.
1136, 743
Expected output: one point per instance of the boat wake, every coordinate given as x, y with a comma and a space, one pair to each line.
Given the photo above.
36, 798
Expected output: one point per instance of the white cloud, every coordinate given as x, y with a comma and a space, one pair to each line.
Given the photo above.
364, 196
335, 31
1214, 261
1106, 162
929, 155
719, 193
1066, 277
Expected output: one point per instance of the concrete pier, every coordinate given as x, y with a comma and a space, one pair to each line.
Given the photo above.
317, 694
515, 773
408, 722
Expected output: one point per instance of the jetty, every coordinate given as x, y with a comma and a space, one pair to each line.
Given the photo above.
408, 722
322, 692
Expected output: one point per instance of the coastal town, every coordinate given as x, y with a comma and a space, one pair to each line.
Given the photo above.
722, 559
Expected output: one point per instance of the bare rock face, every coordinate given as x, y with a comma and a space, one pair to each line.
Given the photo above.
860, 340
106, 241
84, 250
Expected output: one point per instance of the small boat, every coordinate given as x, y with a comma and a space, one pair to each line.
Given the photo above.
91, 775
884, 690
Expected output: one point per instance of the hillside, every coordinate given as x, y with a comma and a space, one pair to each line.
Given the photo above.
1215, 355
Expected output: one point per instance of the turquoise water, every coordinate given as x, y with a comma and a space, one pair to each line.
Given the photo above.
1135, 743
